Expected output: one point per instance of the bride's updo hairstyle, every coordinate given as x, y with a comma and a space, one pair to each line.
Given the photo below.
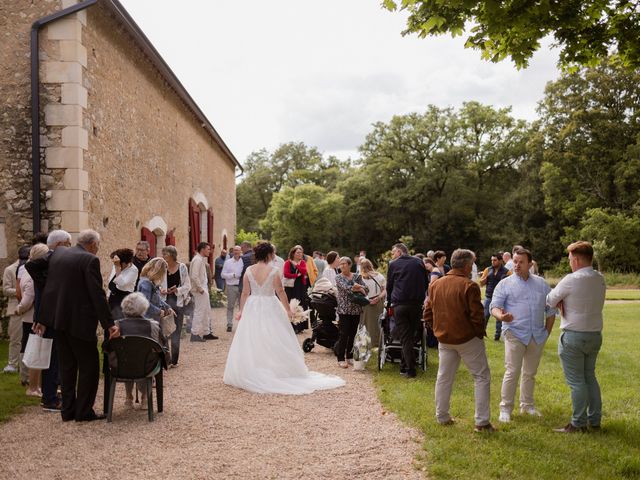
262, 251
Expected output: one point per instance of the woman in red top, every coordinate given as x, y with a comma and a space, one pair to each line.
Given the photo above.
295, 269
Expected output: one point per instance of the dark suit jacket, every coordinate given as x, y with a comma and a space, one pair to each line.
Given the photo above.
406, 281
73, 300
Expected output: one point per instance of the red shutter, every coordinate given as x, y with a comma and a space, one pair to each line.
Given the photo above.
194, 227
210, 236
149, 236
170, 239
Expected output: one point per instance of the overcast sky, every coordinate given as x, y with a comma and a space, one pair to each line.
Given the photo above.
321, 72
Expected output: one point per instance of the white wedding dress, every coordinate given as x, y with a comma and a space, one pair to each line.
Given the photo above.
265, 356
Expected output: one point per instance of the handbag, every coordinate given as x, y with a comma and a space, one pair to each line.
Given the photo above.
37, 353
288, 282
358, 298
168, 325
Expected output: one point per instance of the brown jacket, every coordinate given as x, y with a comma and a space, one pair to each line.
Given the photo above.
454, 309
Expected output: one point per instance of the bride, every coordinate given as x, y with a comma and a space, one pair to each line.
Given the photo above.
265, 356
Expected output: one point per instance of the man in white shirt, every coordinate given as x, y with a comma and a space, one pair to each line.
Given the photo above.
508, 263
232, 273
580, 296
200, 330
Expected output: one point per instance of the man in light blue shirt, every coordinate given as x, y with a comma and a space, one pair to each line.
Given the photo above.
520, 302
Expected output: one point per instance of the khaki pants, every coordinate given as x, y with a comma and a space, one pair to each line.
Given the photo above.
15, 340
474, 356
519, 357
201, 314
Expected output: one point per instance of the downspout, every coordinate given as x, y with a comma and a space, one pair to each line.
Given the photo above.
35, 102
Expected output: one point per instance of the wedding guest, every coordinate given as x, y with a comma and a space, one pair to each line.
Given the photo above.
333, 260
439, 257
580, 296
219, 264
26, 310
9, 284
296, 276
175, 289
151, 277
134, 322
377, 286
141, 257
122, 279
232, 273
348, 311
200, 322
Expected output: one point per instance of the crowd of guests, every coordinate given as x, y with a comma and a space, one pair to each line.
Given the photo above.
56, 291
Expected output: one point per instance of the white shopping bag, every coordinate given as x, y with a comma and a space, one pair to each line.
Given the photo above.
168, 324
37, 353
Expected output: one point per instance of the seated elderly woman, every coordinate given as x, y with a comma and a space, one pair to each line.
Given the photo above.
134, 307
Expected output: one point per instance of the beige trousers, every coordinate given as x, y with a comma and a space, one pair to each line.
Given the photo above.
518, 358
474, 356
15, 340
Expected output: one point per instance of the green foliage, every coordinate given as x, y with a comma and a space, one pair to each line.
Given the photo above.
615, 239
243, 236
266, 173
586, 31
12, 394
308, 215
455, 452
217, 298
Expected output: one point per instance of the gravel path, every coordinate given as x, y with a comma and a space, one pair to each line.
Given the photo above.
211, 430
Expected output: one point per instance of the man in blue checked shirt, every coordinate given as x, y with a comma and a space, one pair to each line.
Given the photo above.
520, 302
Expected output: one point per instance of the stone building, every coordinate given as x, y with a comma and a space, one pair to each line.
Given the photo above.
120, 145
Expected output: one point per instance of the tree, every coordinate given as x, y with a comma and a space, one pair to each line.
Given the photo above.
590, 121
585, 30
291, 164
438, 176
308, 215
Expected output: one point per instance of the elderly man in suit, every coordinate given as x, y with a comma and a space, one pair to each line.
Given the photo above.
73, 302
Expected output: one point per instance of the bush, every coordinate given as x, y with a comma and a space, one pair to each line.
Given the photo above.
243, 236
217, 298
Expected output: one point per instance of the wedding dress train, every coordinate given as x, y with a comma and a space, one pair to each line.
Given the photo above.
265, 356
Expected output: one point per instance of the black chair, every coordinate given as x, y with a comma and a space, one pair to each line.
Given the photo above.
135, 358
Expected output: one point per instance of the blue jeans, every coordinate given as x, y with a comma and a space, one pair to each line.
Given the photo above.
578, 352
51, 376
487, 315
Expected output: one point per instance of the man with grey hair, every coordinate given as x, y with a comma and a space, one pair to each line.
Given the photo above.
38, 269
406, 289
456, 314
73, 302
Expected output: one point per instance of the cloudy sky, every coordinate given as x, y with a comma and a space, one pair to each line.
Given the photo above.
321, 72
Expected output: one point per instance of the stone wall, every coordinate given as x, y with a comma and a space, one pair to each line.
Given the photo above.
123, 151
16, 17
147, 152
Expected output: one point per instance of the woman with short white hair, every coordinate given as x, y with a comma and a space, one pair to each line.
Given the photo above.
133, 307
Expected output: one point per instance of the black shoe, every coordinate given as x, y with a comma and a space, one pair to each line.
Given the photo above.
570, 428
196, 338
409, 373
229, 329
92, 418
210, 336
52, 407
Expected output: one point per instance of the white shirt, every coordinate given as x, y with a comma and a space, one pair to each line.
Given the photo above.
232, 271
126, 281
330, 274
582, 295
278, 262
375, 288
198, 273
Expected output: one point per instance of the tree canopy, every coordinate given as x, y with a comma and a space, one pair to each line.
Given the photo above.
472, 177
586, 31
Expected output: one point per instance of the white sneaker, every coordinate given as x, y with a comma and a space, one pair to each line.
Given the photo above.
530, 411
505, 417
10, 369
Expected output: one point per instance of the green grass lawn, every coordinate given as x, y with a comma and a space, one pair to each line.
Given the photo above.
527, 448
623, 294
12, 394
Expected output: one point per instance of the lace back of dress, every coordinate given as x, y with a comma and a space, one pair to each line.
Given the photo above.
266, 289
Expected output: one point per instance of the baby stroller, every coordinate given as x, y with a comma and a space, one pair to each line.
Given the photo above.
390, 348
323, 315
